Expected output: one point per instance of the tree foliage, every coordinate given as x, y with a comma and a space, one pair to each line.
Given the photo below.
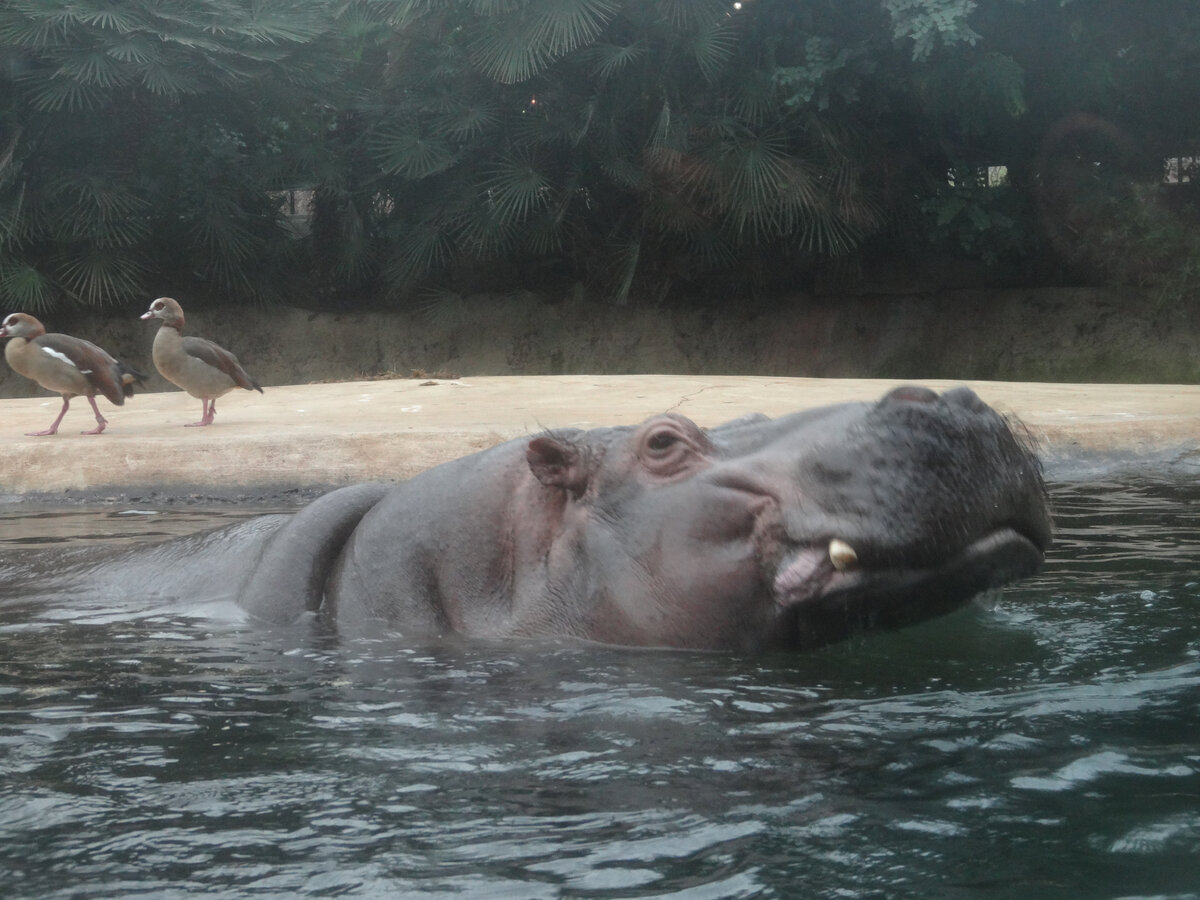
636, 147
142, 137
625, 142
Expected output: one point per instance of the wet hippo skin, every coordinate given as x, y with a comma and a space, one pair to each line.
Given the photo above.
762, 533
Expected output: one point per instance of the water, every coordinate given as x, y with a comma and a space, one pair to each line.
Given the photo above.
1043, 742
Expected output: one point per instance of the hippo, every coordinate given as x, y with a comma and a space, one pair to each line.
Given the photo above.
760, 534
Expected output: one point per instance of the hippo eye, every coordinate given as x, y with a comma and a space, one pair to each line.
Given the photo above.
671, 447
662, 440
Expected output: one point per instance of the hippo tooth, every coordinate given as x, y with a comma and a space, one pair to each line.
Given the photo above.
842, 555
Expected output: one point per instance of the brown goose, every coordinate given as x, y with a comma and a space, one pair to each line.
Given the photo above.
200, 367
69, 365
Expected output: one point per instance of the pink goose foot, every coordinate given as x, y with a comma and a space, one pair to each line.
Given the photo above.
101, 422
210, 412
53, 429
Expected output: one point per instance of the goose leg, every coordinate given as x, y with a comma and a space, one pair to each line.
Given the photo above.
101, 422
53, 429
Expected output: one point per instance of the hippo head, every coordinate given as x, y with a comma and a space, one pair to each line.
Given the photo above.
789, 533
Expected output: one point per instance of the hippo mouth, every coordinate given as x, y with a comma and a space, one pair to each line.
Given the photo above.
830, 595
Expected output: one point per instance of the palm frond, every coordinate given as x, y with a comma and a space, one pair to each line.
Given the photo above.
676, 212
546, 231
563, 25
355, 260
623, 172
825, 233
132, 48
661, 133
487, 232
420, 249
359, 26
666, 150
263, 22
755, 183
34, 28
509, 57
8, 153
60, 94
410, 153
544, 235
463, 121
23, 286
689, 15
13, 222
755, 98
623, 261
523, 43
443, 308
608, 60
713, 47
99, 276
103, 211
109, 17
94, 68
496, 7
168, 80
709, 248
401, 14
515, 187
219, 226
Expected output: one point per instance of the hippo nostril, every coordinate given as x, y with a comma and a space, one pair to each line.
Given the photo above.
842, 555
965, 397
910, 393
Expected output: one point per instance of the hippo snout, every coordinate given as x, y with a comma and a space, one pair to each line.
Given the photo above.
959, 396
824, 603
920, 502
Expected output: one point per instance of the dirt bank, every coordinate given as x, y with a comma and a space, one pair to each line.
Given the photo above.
321, 435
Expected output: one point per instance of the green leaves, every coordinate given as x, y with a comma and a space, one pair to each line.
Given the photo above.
146, 142
713, 46
522, 40
96, 209
930, 23
630, 145
609, 60
623, 140
24, 286
409, 153
98, 276
515, 188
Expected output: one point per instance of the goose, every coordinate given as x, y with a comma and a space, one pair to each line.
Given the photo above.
203, 369
68, 365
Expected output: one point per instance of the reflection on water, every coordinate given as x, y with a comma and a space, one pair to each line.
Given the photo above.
1042, 743
24, 527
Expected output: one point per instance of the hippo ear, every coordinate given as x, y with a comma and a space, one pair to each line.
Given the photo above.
556, 463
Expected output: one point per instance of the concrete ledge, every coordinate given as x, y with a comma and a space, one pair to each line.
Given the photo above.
321, 435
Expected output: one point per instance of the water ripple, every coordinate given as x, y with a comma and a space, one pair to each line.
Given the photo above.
1041, 742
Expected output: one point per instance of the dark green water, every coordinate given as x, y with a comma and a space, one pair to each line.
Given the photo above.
1044, 742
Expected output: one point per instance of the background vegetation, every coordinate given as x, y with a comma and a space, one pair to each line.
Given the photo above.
342, 153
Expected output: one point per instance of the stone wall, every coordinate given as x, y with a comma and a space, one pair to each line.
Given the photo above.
1076, 335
